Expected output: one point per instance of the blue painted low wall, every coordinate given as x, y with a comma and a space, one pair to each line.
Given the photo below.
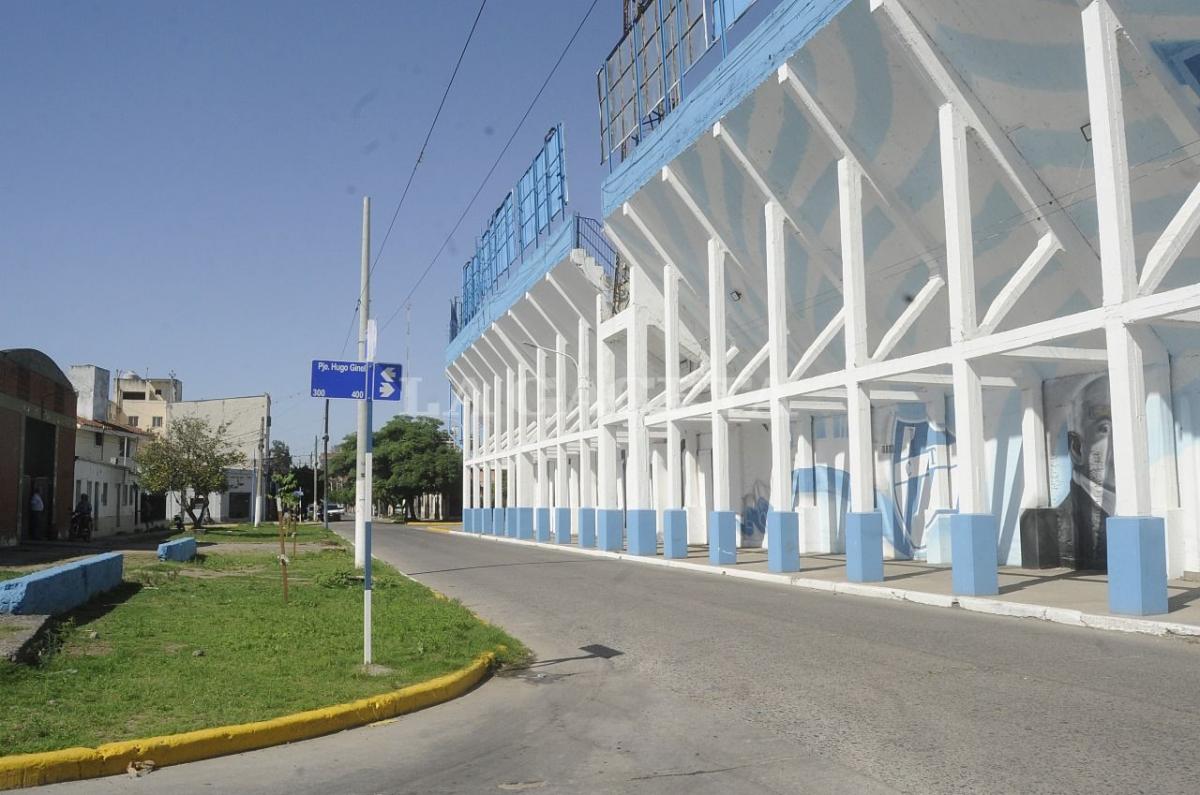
62, 588
181, 549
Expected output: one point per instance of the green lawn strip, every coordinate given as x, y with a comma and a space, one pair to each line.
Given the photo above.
307, 533
140, 674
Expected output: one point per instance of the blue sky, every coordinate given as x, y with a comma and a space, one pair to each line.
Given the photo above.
181, 183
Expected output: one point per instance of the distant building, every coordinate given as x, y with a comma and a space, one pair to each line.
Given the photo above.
247, 422
142, 402
37, 440
105, 460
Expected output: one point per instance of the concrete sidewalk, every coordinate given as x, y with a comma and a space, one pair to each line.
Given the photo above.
1059, 595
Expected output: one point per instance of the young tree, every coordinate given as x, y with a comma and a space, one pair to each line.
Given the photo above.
191, 456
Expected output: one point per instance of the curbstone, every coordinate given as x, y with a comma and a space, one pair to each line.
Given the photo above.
60, 589
72, 764
181, 549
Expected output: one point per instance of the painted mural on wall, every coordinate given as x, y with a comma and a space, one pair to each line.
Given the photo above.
915, 451
1082, 490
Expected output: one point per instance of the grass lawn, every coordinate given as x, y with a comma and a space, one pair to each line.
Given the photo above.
308, 532
207, 643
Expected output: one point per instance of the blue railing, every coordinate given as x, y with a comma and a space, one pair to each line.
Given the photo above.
647, 74
588, 235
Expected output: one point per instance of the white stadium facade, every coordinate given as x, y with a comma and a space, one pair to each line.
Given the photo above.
910, 279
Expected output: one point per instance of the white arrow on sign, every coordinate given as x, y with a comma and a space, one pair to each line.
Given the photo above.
389, 375
386, 389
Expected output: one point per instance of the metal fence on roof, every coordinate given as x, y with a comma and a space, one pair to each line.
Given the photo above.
644, 77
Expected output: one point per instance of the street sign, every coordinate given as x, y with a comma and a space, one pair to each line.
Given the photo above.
385, 385
346, 380
355, 380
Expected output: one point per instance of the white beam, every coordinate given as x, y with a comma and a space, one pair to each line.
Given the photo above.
1059, 353
818, 345
675, 182
908, 317
776, 348
893, 207
960, 248
718, 374
809, 237
1171, 243
860, 454
674, 484
751, 368
1016, 286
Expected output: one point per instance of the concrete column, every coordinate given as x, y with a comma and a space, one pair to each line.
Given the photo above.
541, 514
1137, 570
585, 515
640, 517
973, 530
526, 485
783, 523
674, 522
609, 520
562, 503
722, 522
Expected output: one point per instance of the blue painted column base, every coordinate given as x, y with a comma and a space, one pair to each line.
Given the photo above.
864, 547
500, 521
587, 528
474, 520
973, 554
675, 533
783, 541
611, 524
562, 525
1137, 565
642, 526
525, 523
489, 521
510, 522
541, 524
468, 521
722, 538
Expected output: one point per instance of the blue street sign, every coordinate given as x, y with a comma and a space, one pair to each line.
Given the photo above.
355, 380
385, 383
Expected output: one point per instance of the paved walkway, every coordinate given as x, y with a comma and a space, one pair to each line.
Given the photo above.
1064, 593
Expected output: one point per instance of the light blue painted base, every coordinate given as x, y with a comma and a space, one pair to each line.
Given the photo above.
489, 517
541, 524
562, 525
469, 520
611, 527
938, 541
181, 549
642, 537
973, 539
510, 522
722, 538
525, 523
783, 541
1137, 565
864, 547
587, 528
500, 521
675, 533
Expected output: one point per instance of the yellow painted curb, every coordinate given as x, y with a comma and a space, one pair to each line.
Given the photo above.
72, 764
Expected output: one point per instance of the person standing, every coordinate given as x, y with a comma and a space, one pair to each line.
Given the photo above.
37, 513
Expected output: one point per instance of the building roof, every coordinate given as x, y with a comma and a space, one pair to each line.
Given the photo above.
100, 425
37, 362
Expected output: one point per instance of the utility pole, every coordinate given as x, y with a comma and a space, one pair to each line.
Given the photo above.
316, 475
259, 500
364, 462
325, 468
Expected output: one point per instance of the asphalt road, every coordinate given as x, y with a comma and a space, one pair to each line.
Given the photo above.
715, 685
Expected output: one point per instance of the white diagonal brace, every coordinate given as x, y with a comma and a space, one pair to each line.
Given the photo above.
818, 345
750, 369
1171, 244
676, 184
809, 237
1016, 286
570, 300
544, 314
908, 318
893, 207
1020, 175
636, 219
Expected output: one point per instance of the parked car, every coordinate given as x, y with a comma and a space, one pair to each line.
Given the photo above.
336, 512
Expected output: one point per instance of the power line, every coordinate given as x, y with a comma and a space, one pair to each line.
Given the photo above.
495, 164
417, 163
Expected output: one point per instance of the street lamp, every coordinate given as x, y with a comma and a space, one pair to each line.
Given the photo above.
583, 377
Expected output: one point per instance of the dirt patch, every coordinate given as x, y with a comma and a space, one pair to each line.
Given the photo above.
212, 574
89, 648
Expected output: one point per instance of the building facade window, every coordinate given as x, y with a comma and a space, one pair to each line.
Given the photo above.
99, 439
156, 422
104, 495
133, 421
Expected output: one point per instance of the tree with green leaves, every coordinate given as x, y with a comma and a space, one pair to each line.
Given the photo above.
415, 456
191, 457
279, 459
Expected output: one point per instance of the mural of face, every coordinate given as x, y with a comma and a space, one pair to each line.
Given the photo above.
1090, 441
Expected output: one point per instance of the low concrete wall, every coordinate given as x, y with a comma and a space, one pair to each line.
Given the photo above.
62, 588
181, 549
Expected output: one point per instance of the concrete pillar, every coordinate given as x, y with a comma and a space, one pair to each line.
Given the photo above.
722, 523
